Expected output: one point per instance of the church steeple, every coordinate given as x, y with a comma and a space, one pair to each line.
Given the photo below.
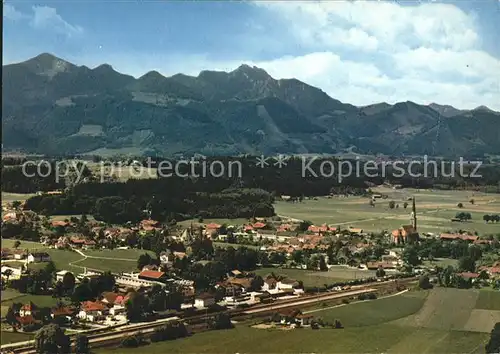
414, 215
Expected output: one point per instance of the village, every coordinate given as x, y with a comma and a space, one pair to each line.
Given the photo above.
100, 299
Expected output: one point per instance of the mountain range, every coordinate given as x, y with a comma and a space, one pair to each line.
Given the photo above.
51, 106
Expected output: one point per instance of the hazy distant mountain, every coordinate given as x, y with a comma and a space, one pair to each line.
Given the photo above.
446, 110
53, 106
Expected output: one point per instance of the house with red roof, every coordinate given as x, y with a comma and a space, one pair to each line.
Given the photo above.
454, 237
149, 225
493, 271
27, 321
61, 223
77, 242
89, 244
116, 300
152, 275
93, 311
468, 275
20, 254
29, 309
63, 313
213, 226
259, 225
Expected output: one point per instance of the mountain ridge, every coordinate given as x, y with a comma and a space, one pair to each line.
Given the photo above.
51, 104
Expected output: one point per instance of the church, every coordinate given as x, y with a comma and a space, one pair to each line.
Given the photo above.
407, 233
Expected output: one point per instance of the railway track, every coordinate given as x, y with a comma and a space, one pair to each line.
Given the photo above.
257, 310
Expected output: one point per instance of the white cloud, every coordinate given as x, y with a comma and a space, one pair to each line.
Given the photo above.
431, 52
440, 25
10, 13
363, 83
466, 64
45, 17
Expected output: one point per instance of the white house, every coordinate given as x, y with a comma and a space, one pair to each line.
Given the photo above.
117, 310
269, 284
16, 271
19, 254
37, 257
204, 300
287, 284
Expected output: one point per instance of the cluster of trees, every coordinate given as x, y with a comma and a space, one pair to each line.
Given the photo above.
492, 218
140, 305
35, 281
51, 339
312, 260
493, 345
42, 315
463, 216
161, 199
178, 197
287, 180
364, 296
424, 282
172, 330
30, 179
221, 262
221, 320
24, 230
435, 248
91, 289
41, 282
449, 277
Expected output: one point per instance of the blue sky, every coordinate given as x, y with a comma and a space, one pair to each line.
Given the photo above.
358, 52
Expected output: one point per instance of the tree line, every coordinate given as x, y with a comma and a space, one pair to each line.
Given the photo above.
294, 179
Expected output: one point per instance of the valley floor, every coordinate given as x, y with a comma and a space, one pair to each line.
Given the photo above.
413, 322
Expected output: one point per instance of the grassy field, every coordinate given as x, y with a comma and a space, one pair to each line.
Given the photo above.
9, 243
10, 197
434, 210
131, 254
456, 310
9, 294
105, 260
374, 312
441, 262
115, 266
488, 300
370, 327
13, 337
311, 278
238, 221
40, 300
121, 173
373, 339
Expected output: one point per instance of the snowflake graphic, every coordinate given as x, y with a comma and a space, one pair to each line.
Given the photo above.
280, 161
262, 161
